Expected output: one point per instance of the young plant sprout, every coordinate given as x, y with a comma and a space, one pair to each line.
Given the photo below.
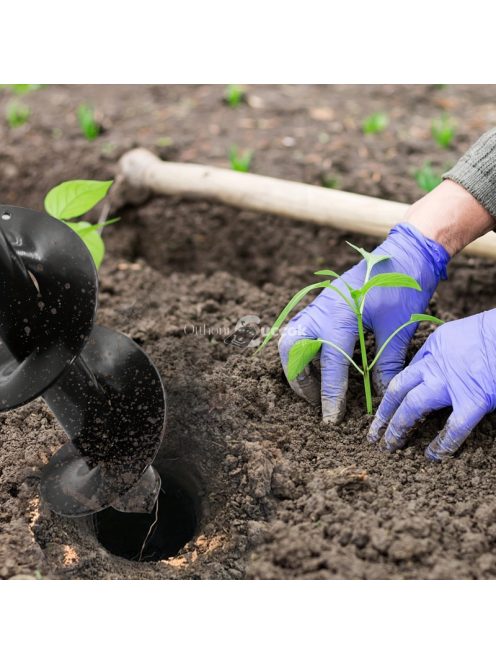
164, 141
17, 114
303, 351
75, 198
234, 95
375, 123
329, 181
22, 88
443, 130
87, 123
427, 178
240, 161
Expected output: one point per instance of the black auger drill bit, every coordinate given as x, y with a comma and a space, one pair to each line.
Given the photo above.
100, 385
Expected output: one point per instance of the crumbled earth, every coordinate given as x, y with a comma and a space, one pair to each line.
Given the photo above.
280, 494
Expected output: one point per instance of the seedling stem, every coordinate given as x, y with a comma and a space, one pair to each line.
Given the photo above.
365, 372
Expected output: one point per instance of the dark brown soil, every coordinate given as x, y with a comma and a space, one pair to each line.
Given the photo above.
280, 494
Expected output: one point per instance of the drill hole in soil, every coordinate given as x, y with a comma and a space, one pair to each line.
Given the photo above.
136, 536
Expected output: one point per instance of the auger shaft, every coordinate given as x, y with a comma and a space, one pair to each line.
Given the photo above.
102, 388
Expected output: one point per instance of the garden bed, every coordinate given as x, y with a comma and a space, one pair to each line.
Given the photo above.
275, 492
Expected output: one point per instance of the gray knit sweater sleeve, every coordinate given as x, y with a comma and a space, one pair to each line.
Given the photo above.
476, 171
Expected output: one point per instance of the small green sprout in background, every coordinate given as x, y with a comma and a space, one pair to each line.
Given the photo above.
240, 161
427, 178
329, 181
303, 351
234, 95
164, 141
375, 123
75, 198
87, 123
23, 88
17, 113
443, 130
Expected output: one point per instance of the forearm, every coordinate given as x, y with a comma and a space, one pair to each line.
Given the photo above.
463, 207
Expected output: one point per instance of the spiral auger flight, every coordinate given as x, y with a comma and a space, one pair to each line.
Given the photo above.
101, 386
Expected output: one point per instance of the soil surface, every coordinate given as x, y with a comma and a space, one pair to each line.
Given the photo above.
279, 494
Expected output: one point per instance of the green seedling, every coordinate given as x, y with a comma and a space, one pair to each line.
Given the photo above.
375, 123
234, 95
17, 114
443, 130
240, 161
329, 181
164, 141
22, 88
74, 198
427, 178
303, 351
87, 123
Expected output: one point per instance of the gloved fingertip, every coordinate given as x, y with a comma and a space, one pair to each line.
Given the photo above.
393, 439
382, 378
380, 385
431, 455
333, 410
387, 447
443, 446
376, 430
307, 386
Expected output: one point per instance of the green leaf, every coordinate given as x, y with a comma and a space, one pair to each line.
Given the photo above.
94, 227
389, 280
420, 318
328, 273
288, 308
91, 238
365, 254
375, 123
341, 294
75, 197
331, 273
301, 353
95, 246
371, 259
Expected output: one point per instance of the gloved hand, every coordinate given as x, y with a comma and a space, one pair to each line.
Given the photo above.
455, 367
329, 317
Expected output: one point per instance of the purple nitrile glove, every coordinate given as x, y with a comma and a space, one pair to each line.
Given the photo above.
329, 317
455, 367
